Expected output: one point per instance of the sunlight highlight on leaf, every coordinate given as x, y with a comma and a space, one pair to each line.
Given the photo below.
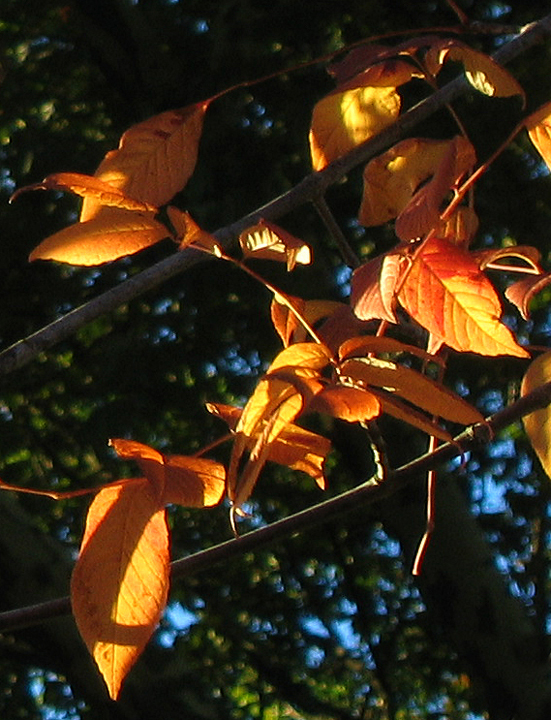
538, 423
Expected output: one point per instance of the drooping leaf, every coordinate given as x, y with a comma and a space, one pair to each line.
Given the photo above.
178, 479
120, 581
373, 291
484, 74
460, 228
392, 179
155, 158
268, 241
188, 232
522, 292
365, 345
528, 255
419, 390
538, 423
346, 403
539, 130
89, 187
446, 293
112, 234
422, 213
291, 330
356, 111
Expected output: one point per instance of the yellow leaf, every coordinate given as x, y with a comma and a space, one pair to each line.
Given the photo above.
120, 581
187, 232
112, 234
356, 111
155, 158
539, 131
538, 423
484, 74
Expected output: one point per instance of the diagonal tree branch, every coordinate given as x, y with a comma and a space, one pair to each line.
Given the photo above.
367, 493
311, 187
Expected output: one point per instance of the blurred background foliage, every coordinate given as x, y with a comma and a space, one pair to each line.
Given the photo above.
329, 625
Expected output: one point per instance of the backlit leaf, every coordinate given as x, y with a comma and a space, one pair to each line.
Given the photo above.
392, 179
120, 581
356, 111
446, 293
538, 423
112, 234
346, 403
188, 232
410, 385
522, 292
539, 131
481, 70
155, 158
90, 187
373, 291
179, 479
268, 241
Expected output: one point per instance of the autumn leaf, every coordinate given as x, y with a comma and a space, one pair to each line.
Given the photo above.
418, 389
291, 330
522, 292
392, 179
88, 187
189, 233
538, 423
268, 241
155, 158
357, 111
460, 227
112, 234
484, 74
373, 287
448, 295
539, 130
178, 479
352, 404
120, 582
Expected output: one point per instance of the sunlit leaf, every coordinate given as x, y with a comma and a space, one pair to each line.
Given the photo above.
155, 158
346, 403
373, 288
268, 241
539, 130
460, 228
365, 345
528, 256
89, 187
392, 179
356, 111
112, 234
446, 292
120, 581
179, 479
522, 292
289, 327
188, 232
410, 385
481, 70
538, 423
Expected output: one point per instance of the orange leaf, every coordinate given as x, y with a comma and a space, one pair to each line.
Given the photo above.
91, 187
460, 228
286, 323
522, 292
484, 74
374, 284
155, 158
346, 403
538, 423
178, 479
418, 389
188, 233
268, 241
357, 111
120, 581
447, 294
112, 234
392, 179
539, 130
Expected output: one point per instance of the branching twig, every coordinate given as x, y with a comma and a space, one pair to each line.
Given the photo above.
310, 187
367, 493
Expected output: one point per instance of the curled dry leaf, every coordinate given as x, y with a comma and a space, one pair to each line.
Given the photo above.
522, 292
268, 241
539, 130
446, 292
538, 423
155, 158
188, 233
373, 291
111, 234
120, 582
357, 111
